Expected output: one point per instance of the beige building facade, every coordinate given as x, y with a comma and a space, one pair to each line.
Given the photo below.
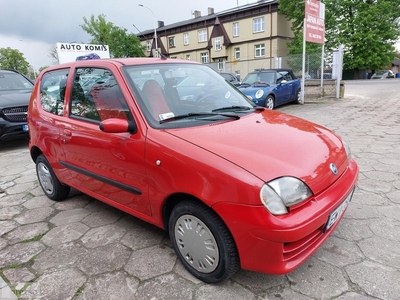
237, 40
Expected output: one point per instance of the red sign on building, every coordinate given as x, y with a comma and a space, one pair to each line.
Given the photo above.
315, 21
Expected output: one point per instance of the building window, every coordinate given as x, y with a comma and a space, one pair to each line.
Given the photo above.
237, 73
186, 38
259, 50
236, 29
218, 44
187, 56
258, 25
202, 35
204, 57
171, 41
237, 53
149, 46
220, 64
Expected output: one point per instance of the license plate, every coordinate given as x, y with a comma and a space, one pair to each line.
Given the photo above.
335, 215
25, 127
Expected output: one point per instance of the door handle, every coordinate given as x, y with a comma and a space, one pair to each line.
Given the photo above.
67, 132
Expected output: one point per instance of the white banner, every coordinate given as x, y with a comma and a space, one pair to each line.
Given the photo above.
72, 52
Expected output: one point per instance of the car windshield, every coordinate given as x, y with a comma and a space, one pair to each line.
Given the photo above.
184, 93
14, 81
261, 77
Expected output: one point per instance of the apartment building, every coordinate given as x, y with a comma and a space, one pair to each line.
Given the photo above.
237, 40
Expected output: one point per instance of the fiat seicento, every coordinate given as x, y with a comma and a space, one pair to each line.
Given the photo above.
235, 185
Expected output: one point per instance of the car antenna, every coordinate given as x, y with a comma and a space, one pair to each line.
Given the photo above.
163, 57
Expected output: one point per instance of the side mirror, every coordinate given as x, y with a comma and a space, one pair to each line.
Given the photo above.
115, 125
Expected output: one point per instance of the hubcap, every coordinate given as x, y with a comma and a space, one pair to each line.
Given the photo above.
196, 244
269, 103
45, 178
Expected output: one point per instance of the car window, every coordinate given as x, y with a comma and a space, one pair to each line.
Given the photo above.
227, 76
279, 77
287, 76
52, 91
96, 96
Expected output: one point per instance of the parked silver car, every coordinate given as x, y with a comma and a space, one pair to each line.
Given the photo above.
383, 74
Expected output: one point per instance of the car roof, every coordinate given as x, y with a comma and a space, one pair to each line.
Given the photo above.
121, 62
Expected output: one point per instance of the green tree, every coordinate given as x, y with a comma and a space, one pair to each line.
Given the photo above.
121, 43
42, 68
368, 30
14, 60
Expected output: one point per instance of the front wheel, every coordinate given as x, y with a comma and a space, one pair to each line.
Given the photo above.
298, 99
202, 242
50, 184
269, 102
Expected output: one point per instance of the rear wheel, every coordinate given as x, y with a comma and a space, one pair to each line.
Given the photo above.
50, 184
202, 242
269, 102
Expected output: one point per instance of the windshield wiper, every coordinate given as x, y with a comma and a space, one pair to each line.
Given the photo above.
235, 107
202, 114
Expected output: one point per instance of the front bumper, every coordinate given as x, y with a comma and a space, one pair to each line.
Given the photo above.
13, 130
279, 244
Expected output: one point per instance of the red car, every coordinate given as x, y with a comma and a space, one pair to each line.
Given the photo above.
234, 185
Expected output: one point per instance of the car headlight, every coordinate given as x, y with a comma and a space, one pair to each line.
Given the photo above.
280, 194
259, 94
347, 149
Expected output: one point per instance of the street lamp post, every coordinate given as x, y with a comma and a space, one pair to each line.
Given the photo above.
33, 64
155, 28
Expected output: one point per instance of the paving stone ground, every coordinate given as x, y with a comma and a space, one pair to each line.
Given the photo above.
83, 249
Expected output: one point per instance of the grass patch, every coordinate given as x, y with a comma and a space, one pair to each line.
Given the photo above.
34, 239
79, 291
13, 266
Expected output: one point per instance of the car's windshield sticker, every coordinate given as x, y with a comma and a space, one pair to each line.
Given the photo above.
166, 116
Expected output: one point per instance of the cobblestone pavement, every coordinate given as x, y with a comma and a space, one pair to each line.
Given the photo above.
83, 249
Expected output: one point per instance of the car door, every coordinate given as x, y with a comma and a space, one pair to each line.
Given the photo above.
108, 166
283, 88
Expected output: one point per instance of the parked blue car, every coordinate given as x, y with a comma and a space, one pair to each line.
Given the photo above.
272, 87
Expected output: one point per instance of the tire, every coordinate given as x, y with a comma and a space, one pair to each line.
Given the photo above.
209, 254
50, 184
298, 97
269, 102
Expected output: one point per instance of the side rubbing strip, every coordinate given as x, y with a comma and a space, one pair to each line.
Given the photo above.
103, 179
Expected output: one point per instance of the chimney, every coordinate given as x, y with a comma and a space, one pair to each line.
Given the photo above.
160, 24
210, 11
197, 14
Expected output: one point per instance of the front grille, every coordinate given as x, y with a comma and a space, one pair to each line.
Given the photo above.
15, 114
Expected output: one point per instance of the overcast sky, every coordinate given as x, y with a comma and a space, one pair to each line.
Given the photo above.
32, 27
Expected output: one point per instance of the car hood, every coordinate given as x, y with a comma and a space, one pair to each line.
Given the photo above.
14, 99
252, 89
271, 145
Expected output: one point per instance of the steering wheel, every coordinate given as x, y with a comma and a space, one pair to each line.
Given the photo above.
206, 100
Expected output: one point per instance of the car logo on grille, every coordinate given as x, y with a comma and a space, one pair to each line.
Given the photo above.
333, 169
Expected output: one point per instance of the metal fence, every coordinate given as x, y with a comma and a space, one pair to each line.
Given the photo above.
315, 67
